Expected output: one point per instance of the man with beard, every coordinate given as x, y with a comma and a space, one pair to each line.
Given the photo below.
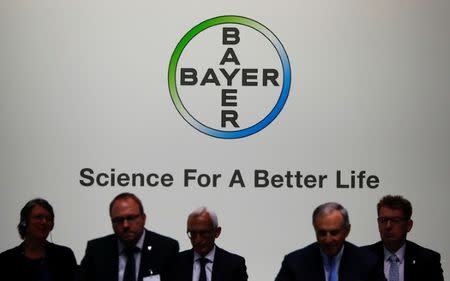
132, 253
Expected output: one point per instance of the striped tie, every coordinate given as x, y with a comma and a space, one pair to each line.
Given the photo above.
394, 274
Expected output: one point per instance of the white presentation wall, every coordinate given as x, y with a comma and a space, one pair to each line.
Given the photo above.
86, 85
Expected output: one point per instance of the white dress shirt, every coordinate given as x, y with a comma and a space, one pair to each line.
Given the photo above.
123, 257
208, 266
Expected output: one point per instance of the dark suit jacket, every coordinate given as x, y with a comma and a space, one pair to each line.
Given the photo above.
420, 263
226, 267
306, 265
101, 260
61, 262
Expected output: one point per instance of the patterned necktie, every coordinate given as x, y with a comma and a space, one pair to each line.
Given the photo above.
203, 261
130, 268
394, 274
332, 272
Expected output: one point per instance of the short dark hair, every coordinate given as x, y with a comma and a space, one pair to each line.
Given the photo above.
327, 208
124, 196
26, 211
396, 202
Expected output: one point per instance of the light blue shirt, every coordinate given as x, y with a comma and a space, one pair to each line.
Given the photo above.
337, 261
208, 266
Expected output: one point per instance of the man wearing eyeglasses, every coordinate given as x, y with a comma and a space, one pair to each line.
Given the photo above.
205, 261
132, 253
403, 260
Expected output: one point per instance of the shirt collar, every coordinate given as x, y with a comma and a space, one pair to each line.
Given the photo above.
209, 256
400, 253
139, 243
336, 258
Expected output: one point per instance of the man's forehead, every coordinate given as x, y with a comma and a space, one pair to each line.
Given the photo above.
331, 217
329, 228
124, 204
199, 221
386, 209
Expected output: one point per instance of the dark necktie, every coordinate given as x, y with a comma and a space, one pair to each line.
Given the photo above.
203, 261
130, 268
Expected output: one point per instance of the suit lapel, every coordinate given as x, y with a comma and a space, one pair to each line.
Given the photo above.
147, 257
315, 267
345, 271
409, 262
217, 265
187, 265
112, 252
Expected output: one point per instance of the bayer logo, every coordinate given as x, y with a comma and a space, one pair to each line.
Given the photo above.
229, 77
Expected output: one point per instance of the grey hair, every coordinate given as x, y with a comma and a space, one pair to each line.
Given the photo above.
329, 207
211, 214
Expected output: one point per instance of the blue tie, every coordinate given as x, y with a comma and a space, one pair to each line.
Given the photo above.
394, 274
332, 273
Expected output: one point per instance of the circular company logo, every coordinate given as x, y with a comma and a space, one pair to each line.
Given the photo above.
229, 77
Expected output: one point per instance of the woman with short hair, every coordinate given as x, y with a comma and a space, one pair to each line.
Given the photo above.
36, 259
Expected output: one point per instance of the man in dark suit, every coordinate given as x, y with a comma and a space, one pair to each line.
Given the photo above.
132, 253
331, 258
403, 260
205, 261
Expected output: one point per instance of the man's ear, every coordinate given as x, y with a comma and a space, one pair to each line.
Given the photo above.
218, 231
348, 230
409, 225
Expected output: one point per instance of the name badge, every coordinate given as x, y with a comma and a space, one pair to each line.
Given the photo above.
152, 278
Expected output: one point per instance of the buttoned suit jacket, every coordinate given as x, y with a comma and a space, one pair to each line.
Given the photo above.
226, 267
101, 260
420, 263
306, 265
